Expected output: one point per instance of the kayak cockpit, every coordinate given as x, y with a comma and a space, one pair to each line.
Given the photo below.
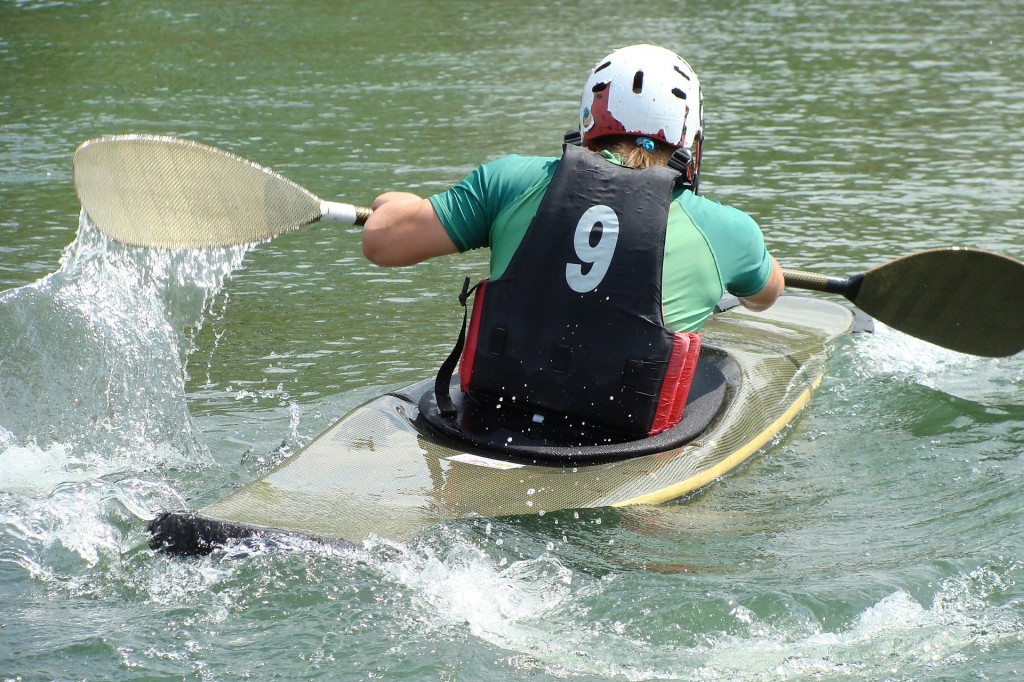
519, 435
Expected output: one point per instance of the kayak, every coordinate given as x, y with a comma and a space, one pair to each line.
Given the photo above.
392, 466
395, 465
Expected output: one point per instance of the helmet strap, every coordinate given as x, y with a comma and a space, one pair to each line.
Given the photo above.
688, 166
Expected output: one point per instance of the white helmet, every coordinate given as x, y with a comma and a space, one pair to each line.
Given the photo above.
643, 90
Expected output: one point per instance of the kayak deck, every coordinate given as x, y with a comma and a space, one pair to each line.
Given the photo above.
382, 470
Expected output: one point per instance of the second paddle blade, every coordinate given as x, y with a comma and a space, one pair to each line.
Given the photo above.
966, 300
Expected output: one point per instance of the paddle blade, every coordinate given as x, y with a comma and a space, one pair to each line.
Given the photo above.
164, 192
966, 300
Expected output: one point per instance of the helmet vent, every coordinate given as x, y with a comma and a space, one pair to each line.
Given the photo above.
602, 67
598, 87
638, 82
678, 93
682, 73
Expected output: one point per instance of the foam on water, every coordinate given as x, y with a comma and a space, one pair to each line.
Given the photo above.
78, 528
890, 353
31, 470
463, 586
897, 635
539, 610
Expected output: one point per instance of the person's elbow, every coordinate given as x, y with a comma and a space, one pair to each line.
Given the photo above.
381, 238
405, 233
769, 293
382, 244
375, 247
387, 253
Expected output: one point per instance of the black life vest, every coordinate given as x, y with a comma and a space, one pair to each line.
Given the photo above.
574, 326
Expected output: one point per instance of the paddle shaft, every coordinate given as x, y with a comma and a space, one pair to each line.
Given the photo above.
343, 214
829, 284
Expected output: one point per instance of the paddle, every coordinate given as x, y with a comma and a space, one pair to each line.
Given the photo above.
165, 192
966, 300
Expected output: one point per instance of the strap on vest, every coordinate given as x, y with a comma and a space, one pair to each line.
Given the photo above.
442, 383
682, 161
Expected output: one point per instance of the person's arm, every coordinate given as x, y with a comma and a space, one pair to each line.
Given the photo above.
771, 290
404, 230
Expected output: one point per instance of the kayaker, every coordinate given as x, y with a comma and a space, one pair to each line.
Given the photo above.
599, 320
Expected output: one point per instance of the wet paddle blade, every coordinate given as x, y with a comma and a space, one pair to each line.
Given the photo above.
966, 300
962, 299
164, 192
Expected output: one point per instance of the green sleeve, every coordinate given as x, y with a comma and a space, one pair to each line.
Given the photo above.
736, 241
469, 209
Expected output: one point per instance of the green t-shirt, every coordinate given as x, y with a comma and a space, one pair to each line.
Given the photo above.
709, 248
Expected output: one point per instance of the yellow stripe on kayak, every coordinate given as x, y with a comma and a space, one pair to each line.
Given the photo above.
729, 463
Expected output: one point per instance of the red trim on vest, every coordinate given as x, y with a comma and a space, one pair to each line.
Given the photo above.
676, 386
469, 352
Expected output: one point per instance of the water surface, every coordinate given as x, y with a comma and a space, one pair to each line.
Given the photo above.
880, 538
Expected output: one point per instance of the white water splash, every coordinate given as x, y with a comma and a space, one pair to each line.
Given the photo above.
897, 636
889, 353
92, 362
92, 395
540, 612
463, 587
62, 538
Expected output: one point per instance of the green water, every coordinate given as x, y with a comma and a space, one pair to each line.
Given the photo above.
880, 538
